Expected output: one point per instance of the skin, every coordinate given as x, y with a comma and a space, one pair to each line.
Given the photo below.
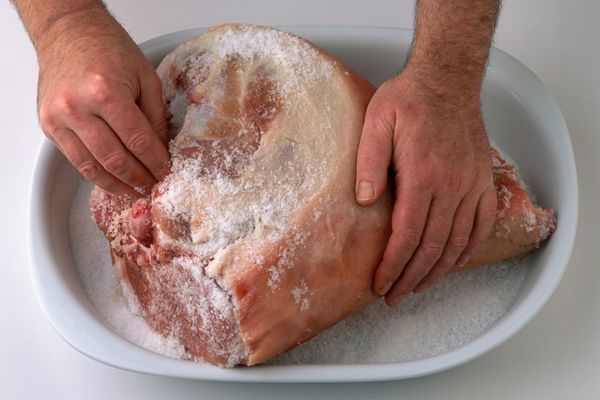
99, 99
100, 102
426, 124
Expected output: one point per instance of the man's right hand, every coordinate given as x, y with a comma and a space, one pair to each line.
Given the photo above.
100, 102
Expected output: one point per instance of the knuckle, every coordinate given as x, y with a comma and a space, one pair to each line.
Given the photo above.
378, 123
139, 143
488, 215
410, 237
160, 124
89, 169
459, 241
425, 177
116, 163
46, 118
100, 88
462, 229
432, 250
66, 105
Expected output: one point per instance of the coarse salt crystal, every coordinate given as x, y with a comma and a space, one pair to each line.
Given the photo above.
452, 312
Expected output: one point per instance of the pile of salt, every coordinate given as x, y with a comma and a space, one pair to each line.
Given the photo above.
451, 313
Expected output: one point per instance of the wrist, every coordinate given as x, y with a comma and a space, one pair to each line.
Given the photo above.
428, 95
445, 82
69, 25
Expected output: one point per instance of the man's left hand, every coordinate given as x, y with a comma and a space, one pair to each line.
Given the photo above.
445, 202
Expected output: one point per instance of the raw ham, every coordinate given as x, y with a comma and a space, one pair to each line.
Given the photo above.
255, 243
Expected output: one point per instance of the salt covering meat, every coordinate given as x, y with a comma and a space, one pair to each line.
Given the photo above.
242, 250
451, 313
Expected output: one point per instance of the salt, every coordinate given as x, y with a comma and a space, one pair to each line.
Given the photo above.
114, 302
257, 205
261, 208
301, 295
451, 313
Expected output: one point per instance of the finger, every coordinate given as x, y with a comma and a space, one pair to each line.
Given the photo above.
151, 104
106, 147
484, 222
431, 248
136, 133
408, 221
373, 159
48, 123
78, 155
462, 226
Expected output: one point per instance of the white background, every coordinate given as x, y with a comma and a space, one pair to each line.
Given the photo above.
556, 356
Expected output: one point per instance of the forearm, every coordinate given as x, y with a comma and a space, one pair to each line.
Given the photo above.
44, 19
452, 42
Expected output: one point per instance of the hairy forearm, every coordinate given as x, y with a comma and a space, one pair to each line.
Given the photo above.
452, 42
43, 18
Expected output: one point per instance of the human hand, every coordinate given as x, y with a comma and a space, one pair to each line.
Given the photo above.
445, 205
100, 102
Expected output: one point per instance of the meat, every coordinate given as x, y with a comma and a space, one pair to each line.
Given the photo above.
140, 222
254, 243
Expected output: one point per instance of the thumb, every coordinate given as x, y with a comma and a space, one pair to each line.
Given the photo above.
373, 159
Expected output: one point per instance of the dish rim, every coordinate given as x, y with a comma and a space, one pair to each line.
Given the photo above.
501, 331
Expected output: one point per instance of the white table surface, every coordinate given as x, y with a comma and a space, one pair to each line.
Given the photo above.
556, 356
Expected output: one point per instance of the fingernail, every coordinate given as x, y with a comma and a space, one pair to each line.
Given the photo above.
396, 300
385, 288
463, 261
365, 191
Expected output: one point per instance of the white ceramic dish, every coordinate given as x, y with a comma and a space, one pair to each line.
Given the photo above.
522, 120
